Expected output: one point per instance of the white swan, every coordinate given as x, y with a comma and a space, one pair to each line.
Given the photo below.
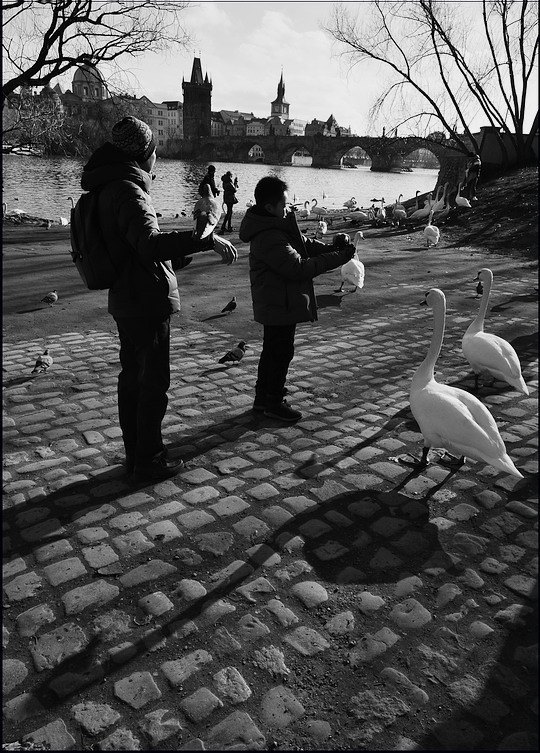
304, 213
487, 352
399, 213
443, 213
358, 238
420, 214
352, 271
438, 204
351, 203
380, 214
461, 201
317, 210
431, 232
449, 417
363, 215
322, 228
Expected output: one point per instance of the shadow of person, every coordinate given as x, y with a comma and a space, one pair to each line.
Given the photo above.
370, 536
499, 698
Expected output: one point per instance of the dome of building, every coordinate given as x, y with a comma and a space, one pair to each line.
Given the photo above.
87, 73
88, 83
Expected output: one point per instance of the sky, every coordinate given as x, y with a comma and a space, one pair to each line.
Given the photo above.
244, 46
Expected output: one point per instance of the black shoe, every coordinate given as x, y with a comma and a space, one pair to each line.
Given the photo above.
282, 411
158, 470
259, 404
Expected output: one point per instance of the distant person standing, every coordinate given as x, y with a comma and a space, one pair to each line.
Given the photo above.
209, 178
230, 188
472, 173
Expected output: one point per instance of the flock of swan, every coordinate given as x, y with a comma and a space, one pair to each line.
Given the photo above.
451, 418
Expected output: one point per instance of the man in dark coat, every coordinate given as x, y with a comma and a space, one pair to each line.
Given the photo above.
282, 265
146, 291
209, 178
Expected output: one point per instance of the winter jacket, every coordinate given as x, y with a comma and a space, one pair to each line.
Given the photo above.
229, 189
211, 182
147, 285
282, 265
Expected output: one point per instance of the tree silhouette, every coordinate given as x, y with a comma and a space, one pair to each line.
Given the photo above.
444, 68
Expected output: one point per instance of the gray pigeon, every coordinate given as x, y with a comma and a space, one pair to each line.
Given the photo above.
43, 363
235, 355
230, 307
50, 298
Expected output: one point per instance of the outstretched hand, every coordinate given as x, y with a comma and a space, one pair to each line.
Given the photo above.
225, 249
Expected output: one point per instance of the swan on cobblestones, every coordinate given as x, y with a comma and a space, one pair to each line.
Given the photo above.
353, 272
487, 352
449, 417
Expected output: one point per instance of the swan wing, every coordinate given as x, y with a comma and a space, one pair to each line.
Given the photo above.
488, 352
456, 420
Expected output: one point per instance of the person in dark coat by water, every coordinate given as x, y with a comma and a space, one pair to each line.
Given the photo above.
146, 291
230, 187
209, 178
282, 265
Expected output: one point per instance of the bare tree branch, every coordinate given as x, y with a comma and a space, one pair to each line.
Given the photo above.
43, 40
427, 51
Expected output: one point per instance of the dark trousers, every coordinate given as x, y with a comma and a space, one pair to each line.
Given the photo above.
277, 353
228, 217
143, 384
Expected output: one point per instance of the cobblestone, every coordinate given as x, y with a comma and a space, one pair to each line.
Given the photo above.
339, 594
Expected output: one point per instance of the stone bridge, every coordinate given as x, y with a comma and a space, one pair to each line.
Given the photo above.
386, 153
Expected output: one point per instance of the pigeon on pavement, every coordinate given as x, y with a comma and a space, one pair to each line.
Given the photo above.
50, 298
43, 363
206, 214
230, 307
235, 355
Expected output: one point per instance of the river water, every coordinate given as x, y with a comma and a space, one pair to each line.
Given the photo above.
42, 186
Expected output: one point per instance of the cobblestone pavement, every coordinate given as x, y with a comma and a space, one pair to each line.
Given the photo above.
295, 587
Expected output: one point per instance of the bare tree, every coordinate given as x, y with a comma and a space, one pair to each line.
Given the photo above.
42, 39
445, 70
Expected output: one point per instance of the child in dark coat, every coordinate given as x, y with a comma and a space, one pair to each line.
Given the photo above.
282, 265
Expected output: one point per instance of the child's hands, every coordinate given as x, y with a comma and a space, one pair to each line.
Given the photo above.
341, 240
347, 252
225, 249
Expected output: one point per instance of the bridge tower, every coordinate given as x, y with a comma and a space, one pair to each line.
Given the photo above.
197, 112
280, 107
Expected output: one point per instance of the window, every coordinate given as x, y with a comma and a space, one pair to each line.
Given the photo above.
85, 90
160, 132
160, 112
96, 91
160, 122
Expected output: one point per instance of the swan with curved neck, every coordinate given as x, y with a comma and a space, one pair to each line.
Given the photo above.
461, 201
449, 417
317, 210
490, 353
420, 214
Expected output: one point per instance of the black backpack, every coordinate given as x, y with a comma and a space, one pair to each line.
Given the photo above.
96, 266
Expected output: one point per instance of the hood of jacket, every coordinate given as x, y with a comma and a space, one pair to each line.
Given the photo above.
258, 220
107, 164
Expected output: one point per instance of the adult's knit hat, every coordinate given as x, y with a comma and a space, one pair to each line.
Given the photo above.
134, 137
